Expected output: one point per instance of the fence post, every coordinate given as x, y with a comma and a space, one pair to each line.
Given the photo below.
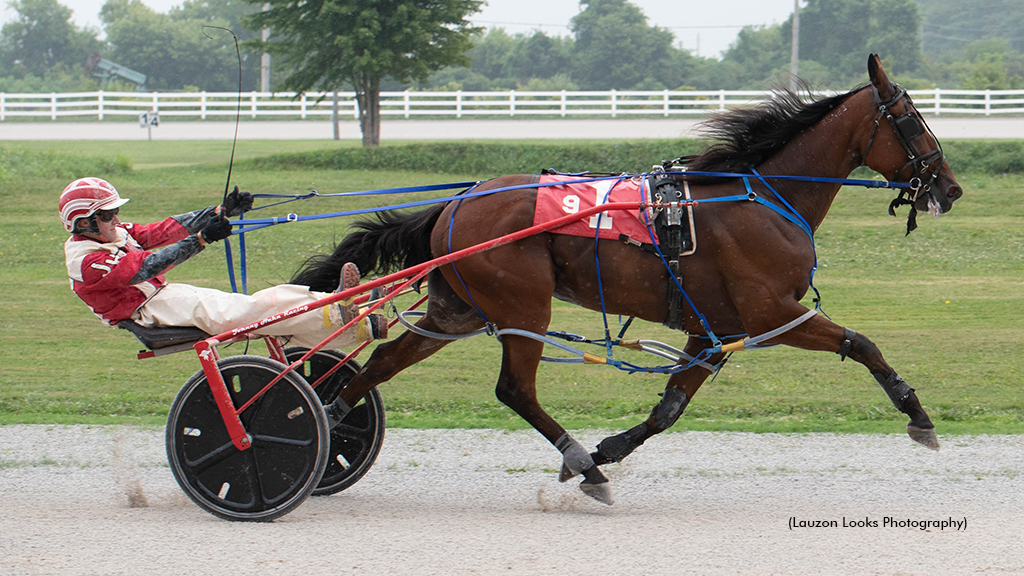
156, 102
615, 105
511, 102
334, 116
53, 106
988, 102
252, 105
302, 107
721, 99
99, 105
563, 103
405, 102
458, 103
938, 103
666, 102
202, 105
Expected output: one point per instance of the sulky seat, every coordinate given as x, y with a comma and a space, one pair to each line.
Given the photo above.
164, 340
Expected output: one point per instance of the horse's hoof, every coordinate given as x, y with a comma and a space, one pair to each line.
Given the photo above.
924, 436
601, 492
565, 475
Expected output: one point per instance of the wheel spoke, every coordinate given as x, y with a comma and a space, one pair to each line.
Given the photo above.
270, 440
255, 479
351, 432
211, 459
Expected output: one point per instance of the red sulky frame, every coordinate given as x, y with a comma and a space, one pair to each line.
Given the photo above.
208, 357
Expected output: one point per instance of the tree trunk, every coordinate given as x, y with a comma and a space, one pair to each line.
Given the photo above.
368, 98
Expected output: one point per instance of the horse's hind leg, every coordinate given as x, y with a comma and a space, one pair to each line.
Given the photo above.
517, 389
820, 333
446, 314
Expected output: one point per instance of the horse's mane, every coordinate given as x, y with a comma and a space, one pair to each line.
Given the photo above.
750, 136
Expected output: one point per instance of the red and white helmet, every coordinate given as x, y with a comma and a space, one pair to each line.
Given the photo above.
83, 197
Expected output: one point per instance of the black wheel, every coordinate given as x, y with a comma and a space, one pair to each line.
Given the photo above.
290, 442
357, 440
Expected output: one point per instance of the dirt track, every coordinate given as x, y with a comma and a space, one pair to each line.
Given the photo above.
485, 502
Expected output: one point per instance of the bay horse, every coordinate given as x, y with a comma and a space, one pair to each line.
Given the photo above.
748, 277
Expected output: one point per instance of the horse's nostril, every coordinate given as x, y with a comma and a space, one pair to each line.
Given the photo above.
955, 192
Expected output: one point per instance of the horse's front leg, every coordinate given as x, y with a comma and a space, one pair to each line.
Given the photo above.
820, 333
679, 390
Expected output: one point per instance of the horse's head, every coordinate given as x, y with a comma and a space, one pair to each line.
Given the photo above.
902, 148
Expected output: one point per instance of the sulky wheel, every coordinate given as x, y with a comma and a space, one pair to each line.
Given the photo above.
290, 442
356, 441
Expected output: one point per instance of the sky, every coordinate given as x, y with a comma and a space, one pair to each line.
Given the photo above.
705, 28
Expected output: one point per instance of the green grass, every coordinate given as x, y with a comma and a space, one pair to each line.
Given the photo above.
945, 305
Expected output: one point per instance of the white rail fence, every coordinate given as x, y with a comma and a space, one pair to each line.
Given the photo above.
459, 104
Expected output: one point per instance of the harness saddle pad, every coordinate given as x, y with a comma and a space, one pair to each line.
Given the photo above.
573, 197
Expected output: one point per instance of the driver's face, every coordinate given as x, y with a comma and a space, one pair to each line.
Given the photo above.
108, 230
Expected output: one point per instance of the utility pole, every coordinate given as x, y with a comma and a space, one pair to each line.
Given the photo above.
265, 59
794, 59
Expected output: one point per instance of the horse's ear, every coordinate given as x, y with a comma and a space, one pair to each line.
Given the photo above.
879, 79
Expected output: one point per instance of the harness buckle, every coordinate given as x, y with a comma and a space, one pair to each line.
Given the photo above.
674, 214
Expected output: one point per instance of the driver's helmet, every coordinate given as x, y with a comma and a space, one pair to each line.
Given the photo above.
83, 197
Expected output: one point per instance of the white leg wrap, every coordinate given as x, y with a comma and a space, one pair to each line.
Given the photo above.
574, 455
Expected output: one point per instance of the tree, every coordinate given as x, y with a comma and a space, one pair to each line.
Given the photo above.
328, 43
986, 64
894, 34
760, 51
539, 56
227, 13
173, 53
615, 47
490, 53
949, 25
43, 36
835, 33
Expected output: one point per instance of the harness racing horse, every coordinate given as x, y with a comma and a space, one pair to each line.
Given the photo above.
748, 277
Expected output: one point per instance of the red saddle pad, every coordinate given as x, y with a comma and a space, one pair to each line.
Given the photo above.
573, 197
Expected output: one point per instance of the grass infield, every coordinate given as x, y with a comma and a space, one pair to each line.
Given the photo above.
945, 305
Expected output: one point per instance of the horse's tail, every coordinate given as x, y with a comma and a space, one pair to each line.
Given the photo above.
390, 242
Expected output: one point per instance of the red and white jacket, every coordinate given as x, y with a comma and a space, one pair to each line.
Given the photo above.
100, 272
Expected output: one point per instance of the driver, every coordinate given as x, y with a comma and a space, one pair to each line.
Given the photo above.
113, 271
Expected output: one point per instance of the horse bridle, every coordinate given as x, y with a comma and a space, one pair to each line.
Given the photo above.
907, 127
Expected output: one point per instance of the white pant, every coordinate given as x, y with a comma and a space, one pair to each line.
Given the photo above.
215, 312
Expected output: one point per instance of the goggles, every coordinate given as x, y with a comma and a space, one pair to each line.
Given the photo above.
107, 215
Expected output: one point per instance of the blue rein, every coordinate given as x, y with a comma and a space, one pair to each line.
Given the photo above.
786, 210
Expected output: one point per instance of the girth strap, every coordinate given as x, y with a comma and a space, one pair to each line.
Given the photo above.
674, 227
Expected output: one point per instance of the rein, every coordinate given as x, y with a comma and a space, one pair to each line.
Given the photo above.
786, 211
251, 225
